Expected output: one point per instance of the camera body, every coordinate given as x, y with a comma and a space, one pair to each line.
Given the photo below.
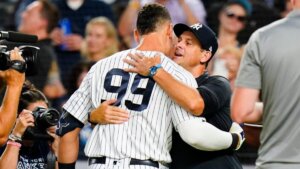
43, 119
29, 54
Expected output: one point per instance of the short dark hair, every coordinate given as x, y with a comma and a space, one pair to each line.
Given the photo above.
50, 13
150, 17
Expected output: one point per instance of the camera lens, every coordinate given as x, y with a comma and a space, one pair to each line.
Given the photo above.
51, 117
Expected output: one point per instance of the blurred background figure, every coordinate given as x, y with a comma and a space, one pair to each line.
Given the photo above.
68, 38
35, 151
182, 11
101, 39
231, 56
40, 18
231, 21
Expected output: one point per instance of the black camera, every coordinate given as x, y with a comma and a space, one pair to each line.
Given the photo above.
29, 54
43, 119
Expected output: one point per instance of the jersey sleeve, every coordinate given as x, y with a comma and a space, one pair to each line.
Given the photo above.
179, 114
80, 103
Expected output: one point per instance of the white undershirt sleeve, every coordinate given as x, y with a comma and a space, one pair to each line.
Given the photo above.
204, 136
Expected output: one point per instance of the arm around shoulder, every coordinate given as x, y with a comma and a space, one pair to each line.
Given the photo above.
204, 136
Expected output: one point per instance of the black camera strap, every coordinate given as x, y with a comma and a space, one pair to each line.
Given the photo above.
18, 65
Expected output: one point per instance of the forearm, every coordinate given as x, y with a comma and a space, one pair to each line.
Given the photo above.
243, 108
256, 116
127, 19
69, 147
9, 158
187, 97
8, 111
204, 136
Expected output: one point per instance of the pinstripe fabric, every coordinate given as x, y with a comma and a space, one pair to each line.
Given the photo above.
147, 134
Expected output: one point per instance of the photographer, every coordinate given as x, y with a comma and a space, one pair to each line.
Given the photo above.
14, 81
36, 150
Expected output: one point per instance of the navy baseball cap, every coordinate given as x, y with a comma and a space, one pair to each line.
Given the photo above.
203, 33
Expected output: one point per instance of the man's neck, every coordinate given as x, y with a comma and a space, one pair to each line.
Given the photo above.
152, 42
197, 71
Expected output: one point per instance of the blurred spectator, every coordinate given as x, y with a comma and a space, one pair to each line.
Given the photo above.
34, 152
231, 56
232, 19
101, 39
261, 15
181, 11
14, 81
20, 7
69, 37
40, 18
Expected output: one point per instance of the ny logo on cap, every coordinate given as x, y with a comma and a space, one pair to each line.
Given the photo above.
196, 26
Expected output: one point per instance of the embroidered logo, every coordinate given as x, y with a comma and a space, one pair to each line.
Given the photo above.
196, 26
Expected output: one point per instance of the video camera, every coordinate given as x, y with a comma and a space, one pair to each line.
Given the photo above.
43, 119
29, 53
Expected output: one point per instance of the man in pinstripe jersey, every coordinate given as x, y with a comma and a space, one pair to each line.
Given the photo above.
144, 140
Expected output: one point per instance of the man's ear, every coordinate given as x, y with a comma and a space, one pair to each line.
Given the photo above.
170, 30
206, 55
136, 36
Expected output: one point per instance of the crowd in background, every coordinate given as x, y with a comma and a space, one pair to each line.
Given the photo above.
74, 34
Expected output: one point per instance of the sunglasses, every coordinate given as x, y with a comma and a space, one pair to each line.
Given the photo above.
231, 15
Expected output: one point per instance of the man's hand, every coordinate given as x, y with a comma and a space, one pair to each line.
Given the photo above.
73, 42
108, 114
11, 76
237, 129
141, 64
57, 36
24, 120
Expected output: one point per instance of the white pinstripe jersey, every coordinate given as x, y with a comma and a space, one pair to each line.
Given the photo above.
148, 133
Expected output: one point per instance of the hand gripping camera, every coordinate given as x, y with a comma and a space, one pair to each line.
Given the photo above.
43, 119
29, 54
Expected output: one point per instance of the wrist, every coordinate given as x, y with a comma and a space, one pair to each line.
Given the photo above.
14, 86
17, 134
153, 70
15, 138
235, 141
89, 119
13, 143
